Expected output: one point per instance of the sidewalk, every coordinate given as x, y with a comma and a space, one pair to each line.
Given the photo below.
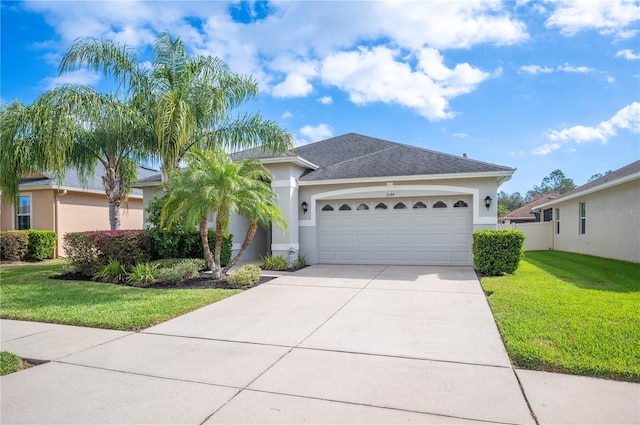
319, 346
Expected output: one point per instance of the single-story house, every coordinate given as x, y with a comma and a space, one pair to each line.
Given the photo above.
354, 199
528, 214
70, 206
600, 218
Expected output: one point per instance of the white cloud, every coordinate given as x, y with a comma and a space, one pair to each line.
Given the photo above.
82, 77
535, 69
610, 79
546, 149
295, 85
628, 54
460, 135
627, 118
606, 16
287, 114
312, 134
365, 75
575, 69
325, 100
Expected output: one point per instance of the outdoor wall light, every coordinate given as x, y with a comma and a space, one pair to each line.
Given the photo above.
487, 201
305, 207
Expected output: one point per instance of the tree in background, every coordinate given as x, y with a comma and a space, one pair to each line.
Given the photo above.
509, 202
72, 127
212, 182
188, 100
556, 181
597, 176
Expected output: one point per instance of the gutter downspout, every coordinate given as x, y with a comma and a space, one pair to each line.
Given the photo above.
56, 227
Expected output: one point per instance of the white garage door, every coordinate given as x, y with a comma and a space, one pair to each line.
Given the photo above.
431, 231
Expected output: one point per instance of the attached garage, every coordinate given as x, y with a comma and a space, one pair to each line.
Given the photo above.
414, 231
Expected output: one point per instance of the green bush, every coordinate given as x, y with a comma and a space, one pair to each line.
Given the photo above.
143, 275
113, 272
180, 241
41, 244
497, 252
300, 263
245, 275
14, 245
175, 270
270, 262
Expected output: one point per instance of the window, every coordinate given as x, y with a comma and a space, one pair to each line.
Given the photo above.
460, 204
399, 206
362, 207
439, 204
583, 218
381, 206
344, 207
327, 208
557, 221
419, 204
547, 215
24, 212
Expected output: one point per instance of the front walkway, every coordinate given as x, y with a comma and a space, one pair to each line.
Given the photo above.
327, 344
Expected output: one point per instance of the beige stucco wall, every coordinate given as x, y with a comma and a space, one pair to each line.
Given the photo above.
539, 236
612, 223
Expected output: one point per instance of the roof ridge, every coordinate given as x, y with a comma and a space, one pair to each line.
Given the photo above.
362, 156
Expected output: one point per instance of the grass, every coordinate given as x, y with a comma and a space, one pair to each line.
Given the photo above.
10, 363
27, 293
570, 313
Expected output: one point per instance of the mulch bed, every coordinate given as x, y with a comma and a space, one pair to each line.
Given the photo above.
204, 281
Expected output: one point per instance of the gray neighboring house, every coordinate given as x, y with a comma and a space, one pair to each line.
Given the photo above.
600, 218
355, 199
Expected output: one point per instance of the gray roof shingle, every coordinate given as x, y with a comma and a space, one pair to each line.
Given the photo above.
620, 173
353, 156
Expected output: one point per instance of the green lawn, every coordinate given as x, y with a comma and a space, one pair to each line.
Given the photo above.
10, 363
570, 313
27, 293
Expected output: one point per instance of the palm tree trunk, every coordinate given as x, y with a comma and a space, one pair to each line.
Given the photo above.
217, 272
113, 187
251, 232
204, 238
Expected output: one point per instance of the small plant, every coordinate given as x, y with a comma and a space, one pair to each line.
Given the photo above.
10, 363
112, 272
143, 275
270, 262
174, 270
300, 263
245, 275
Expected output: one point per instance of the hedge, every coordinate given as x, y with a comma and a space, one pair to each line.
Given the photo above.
497, 252
13, 245
41, 244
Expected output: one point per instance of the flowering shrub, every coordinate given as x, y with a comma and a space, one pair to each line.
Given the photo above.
13, 245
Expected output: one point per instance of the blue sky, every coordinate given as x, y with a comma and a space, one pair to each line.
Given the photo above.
534, 85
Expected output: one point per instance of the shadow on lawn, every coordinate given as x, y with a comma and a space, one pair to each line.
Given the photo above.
588, 272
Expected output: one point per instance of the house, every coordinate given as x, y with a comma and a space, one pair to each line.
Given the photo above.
528, 214
354, 199
600, 218
69, 206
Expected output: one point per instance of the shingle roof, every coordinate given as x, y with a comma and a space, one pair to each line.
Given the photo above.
526, 211
620, 173
353, 156
72, 180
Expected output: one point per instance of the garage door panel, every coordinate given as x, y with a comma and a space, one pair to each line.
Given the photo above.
404, 236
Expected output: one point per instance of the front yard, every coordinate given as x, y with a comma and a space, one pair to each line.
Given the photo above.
27, 293
570, 313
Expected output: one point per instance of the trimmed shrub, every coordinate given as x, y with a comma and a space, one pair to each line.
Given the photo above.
174, 270
89, 252
14, 245
41, 244
245, 275
270, 262
497, 252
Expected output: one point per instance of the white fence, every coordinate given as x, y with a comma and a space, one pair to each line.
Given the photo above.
539, 236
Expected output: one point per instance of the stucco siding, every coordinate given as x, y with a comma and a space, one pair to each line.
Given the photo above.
612, 223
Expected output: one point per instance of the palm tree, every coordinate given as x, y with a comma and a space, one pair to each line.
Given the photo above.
212, 182
73, 127
188, 99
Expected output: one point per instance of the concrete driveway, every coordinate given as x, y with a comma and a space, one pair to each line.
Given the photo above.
327, 344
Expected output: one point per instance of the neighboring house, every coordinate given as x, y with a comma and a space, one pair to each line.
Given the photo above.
354, 199
526, 213
69, 206
600, 218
